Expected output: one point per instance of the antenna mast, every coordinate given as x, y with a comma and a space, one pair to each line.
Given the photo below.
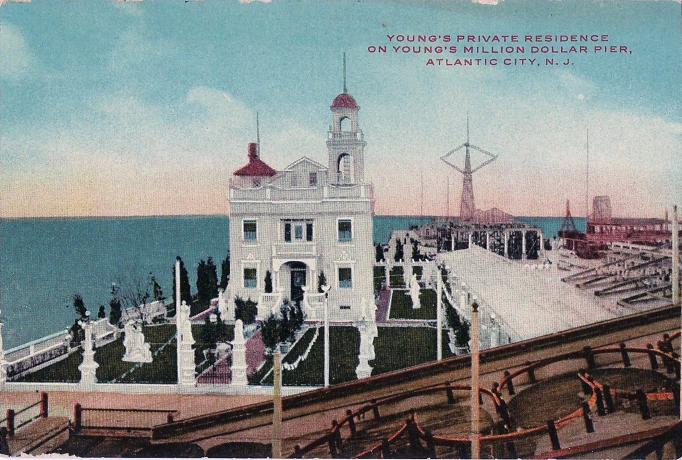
258, 133
587, 177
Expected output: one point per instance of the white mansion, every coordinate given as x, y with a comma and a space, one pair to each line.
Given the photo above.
304, 220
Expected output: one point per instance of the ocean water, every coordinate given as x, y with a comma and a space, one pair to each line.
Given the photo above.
44, 262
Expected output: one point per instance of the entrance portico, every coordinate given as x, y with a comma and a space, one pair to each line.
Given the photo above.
292, 275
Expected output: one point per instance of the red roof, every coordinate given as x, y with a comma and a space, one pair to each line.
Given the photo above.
344, 101
256, 166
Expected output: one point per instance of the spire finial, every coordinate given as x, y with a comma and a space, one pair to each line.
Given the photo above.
345, 90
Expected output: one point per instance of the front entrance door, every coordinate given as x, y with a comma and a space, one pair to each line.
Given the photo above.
297, 283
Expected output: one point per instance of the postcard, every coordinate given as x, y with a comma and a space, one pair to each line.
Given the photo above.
340, 229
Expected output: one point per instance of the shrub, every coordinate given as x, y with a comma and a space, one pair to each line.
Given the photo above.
246, 310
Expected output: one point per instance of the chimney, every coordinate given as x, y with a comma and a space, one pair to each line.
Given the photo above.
253, 150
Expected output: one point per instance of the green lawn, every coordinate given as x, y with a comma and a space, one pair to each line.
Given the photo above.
401, 305
401, 347
111, 368
395, 348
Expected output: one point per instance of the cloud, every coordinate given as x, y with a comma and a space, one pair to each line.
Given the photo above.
16, 59
246, 2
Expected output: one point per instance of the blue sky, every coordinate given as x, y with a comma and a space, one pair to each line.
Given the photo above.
146, 108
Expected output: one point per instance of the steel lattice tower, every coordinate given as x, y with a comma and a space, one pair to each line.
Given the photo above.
467, 207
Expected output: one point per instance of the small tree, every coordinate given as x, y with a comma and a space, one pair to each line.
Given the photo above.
246, 310
268, 282
211, 279
416, 255
271, 331
101, 313
225, 272
77, 333
79, 306
399, 253
155, 287
462, 334
321, 281
115, 311
379, 253
286, 325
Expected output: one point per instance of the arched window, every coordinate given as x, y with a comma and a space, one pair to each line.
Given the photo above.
344, 124
344, 168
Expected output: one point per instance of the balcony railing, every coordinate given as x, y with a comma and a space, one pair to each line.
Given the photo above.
272, 193
346, 135
297, 249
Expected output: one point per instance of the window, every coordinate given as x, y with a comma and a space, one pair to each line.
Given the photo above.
294, 180
250, 230
250, 278
345, 278
309, 231
298, 232
345, 230
312, 179
287, 232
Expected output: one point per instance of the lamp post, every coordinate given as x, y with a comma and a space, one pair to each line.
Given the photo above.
277, 404
439, 318
475, 385
325, 291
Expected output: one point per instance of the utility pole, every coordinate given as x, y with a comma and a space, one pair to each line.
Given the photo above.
475, 384
277, 404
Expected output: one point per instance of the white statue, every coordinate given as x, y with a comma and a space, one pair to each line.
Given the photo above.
88, 368
415, 292
222, 305
137, 351
366, 352
238, 367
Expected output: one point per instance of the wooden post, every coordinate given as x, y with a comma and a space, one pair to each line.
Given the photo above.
451, 395
553, 436
43, 404
643, 405
277, 404
77, 417
10, 422
351, 422
587, 418
624, 354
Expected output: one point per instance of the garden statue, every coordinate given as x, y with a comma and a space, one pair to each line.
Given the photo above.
88, 368
414, 292
222, 305
137, 351
238, 367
